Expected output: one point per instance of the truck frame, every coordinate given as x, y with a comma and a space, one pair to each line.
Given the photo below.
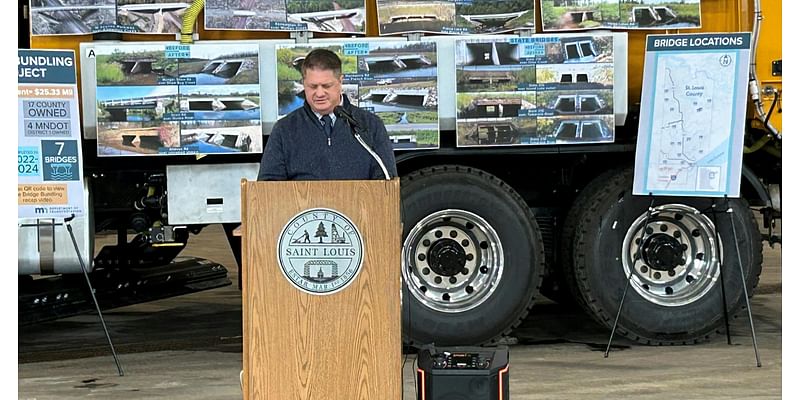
488, 231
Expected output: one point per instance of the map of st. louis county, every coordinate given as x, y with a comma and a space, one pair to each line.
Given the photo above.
691, 127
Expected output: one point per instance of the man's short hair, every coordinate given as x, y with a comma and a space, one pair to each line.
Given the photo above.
322, 59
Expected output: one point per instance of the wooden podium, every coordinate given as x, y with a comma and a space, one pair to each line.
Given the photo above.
316, 326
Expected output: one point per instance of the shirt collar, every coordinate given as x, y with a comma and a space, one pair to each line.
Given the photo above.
333, 115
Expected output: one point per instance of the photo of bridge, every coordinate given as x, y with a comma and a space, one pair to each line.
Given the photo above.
346, 16
61, 17
577, 129
491, 78
495, 16
661, 14
575, 102
506, 131
473, 17
338, 20
403, 16
246, 15
136, 138
71, 17
494, 105
405, 95
129, 104
222, 136
576, 76
160, 16
577, 49
558, 15
399, 60
149, 65
221, 102
487, 52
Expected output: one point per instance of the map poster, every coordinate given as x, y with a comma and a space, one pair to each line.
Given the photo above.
396, 80
81, 17
691, 127
49, 171
344, 16
540, 90
559, 15
156, 99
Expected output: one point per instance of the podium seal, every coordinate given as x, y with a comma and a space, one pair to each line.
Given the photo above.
320, 251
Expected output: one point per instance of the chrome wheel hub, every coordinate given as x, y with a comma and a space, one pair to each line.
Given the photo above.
452, 260
672, 261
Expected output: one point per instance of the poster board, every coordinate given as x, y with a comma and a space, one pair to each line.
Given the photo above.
460, 17
571, 15
546, 89
80, 17
50, 171
396, 80
342, 16
691, 128
162, 99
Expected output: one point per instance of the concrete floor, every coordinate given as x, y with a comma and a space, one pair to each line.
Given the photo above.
189, 347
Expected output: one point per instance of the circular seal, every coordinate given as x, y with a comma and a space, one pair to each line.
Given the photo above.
320, 251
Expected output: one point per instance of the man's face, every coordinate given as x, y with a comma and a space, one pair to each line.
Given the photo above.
323, 90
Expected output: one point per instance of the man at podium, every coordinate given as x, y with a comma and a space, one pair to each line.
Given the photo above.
319, 140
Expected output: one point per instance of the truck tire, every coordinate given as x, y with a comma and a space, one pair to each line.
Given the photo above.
473, 257
564, 274
675, 296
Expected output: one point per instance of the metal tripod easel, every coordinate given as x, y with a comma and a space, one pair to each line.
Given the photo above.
729, 211
67, 224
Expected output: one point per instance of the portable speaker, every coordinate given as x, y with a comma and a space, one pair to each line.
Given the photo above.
462, 373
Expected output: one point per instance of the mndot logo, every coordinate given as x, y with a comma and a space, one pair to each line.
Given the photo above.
320, 251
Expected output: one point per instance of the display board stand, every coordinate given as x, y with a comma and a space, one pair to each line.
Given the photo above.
66, 223
413, 36
301, 37
630, 275
729, 211
525, 32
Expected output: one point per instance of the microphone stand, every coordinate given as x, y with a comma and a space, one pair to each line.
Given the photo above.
357, 130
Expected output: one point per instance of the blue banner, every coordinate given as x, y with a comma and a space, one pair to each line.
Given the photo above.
712, 41
42, 66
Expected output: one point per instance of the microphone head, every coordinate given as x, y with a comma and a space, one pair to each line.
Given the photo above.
339, 111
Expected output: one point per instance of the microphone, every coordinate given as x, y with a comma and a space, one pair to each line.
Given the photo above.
340, 112
356, 129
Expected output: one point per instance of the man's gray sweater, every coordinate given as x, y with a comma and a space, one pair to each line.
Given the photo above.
298, 148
